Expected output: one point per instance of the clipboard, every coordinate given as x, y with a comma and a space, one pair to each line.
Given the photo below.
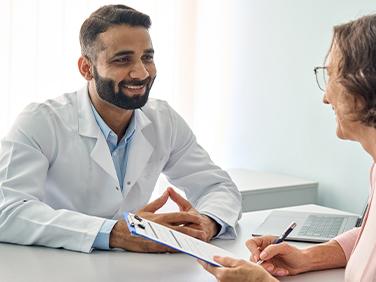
161, 234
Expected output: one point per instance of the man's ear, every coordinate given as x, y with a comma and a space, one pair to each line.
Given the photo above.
84, 66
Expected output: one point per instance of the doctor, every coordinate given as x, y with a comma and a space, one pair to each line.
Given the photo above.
69, 167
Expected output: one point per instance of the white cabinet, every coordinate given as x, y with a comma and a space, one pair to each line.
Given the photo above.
263, 190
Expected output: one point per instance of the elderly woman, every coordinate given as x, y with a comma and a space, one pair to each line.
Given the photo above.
350, 88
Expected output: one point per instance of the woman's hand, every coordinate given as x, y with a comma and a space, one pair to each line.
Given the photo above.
234, 270
279, 259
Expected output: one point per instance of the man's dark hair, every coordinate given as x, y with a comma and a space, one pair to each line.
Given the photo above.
356, 42
104, 18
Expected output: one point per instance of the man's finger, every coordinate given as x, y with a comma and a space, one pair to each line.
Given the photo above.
195, 226
156, 204
226, 261
179, 218
138, 244
182, 203
199, 234
151, 247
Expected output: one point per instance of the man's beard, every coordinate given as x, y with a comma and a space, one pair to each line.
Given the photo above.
106, 90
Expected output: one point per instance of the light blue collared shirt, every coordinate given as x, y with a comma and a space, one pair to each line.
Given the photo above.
119, 154
119, 151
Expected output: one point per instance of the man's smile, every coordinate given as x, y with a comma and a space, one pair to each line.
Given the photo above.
134, 89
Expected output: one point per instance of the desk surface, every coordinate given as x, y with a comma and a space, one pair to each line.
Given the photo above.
25, 263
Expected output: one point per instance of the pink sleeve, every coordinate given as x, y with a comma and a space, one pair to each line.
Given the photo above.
347, 241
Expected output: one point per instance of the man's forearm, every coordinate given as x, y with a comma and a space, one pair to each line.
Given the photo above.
325, 256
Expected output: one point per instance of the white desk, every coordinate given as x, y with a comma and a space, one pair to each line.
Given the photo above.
264, 190
38, 264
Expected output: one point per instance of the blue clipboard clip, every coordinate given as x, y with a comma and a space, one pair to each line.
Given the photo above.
132, 222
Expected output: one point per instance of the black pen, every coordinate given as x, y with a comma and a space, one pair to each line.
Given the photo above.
281, 238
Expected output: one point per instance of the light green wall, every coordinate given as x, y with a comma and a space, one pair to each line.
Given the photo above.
278, 122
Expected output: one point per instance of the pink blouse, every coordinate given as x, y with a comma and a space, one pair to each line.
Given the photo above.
359, 244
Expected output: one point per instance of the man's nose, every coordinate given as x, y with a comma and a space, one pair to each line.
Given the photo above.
139, 71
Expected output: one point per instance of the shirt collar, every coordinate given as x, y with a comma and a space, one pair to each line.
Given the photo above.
108, 132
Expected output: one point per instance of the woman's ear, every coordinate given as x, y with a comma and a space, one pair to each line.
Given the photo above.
84, 66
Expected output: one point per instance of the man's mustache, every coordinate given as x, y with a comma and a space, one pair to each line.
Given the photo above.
124, 83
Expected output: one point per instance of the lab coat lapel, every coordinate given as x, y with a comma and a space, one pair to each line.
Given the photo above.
102, 156
87, 126
139, 152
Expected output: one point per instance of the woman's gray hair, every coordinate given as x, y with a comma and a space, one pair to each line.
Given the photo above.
356, 43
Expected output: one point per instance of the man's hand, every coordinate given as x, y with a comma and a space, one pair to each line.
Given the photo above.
187, 221
183, 221
205, 224
120, 237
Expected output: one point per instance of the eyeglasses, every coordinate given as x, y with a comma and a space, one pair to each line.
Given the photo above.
321, 74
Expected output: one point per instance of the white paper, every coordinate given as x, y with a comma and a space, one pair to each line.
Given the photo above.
176, 240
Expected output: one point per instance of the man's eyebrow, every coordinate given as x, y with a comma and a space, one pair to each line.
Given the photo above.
129, 52
122, 53
150, 51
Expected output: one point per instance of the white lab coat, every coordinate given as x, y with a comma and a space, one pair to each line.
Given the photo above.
58, 182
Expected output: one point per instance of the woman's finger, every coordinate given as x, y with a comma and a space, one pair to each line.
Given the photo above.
275, 250
227, 261
278, 271
208, 267
257, 244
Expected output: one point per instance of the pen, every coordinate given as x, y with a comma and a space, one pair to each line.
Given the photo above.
281, 238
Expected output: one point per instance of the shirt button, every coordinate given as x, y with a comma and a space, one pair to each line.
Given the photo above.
117, 188
129, 183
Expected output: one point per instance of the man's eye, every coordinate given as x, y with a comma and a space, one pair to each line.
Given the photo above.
122, 60
148, 58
